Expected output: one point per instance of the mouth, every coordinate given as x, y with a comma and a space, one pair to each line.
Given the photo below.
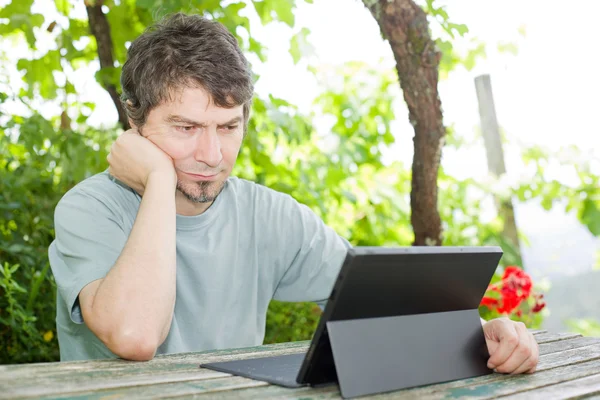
201, 177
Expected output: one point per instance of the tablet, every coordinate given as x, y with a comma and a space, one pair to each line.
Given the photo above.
378, 282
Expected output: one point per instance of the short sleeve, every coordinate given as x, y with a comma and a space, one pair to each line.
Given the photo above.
315, 253
89, 239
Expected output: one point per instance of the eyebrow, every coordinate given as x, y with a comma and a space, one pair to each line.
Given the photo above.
178, 119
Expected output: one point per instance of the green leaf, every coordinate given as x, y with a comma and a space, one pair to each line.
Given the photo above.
590, 216
147, 4
39, 74
299, 45
16, 7
461, 29
63, 6
19, 19
264, 11
108, 76
69, 88
78, 28
508, 47
283, 9
473, 55
257, 48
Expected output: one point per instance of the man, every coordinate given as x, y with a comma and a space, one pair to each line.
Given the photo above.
166, 252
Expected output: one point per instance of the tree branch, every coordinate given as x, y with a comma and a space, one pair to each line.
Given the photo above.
100, 28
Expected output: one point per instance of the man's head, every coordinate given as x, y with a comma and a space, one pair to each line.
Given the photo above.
188, 88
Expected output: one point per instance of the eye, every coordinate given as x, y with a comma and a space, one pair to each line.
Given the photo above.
185, 128
230, 127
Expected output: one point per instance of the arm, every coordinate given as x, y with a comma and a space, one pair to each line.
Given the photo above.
130, 310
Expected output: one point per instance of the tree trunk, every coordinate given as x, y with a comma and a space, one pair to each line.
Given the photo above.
101, 30
404, 25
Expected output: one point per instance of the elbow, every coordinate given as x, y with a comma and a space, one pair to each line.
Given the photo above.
134, 347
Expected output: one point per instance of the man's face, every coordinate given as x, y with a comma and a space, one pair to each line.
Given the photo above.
202, 139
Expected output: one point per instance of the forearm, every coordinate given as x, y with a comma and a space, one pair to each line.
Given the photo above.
135, 302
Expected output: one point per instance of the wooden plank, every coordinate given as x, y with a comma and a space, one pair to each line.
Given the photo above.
212, 388
93, 382
538, 331
554, 337
562, 345
557, 361
181, 369
173, 361
510, 385
577, 388
97, 375
277, 392
10, 372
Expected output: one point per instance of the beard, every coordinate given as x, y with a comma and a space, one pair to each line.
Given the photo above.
200, 192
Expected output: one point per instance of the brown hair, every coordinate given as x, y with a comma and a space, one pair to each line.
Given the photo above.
185, 51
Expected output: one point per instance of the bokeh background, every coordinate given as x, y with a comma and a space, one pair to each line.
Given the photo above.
330, 126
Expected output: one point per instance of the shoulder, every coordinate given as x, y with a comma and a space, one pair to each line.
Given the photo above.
98, 193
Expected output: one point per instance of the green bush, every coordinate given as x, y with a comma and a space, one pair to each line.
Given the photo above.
42, 163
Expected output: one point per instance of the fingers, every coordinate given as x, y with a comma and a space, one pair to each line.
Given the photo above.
529, 363
524, 355
508, 337
536, 352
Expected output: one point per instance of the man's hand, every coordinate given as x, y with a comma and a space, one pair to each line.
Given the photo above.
512, 348
134, 158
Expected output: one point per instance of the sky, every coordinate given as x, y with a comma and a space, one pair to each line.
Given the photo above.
546, 94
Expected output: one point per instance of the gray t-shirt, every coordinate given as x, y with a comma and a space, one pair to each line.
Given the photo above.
252, 245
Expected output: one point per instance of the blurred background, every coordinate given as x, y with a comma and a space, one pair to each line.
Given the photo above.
520, 160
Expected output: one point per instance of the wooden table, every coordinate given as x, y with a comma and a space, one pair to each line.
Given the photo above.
569, 367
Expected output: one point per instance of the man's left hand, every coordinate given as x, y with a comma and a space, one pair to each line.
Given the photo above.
512, 348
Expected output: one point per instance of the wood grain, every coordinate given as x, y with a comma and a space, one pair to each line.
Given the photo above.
566, 361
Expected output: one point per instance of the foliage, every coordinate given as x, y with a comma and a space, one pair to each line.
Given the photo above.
43, 162
582, 195
585, 326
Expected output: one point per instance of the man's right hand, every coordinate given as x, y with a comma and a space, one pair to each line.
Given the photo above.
134, 158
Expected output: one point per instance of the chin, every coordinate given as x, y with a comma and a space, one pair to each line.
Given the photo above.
200, 192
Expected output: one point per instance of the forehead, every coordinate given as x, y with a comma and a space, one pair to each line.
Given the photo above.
197, 104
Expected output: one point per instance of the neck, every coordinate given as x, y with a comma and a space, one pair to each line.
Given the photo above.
188, 208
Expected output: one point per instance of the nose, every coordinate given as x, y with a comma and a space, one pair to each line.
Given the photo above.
208, 148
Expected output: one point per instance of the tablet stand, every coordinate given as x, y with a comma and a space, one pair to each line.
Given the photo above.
376, 355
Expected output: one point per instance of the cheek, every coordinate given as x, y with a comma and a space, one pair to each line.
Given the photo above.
176, 149
230, 149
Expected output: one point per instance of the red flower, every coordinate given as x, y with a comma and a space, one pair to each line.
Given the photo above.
489, 302
517, 280
539, 304
515, 287
510, 301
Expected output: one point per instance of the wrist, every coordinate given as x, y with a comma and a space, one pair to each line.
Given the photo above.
162, 177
